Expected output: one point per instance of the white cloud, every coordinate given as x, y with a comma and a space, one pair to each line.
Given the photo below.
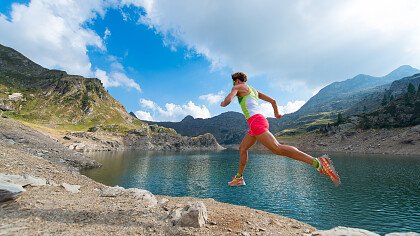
174, 112
303, 41
148, 104
212, 98
107, 33
292, 107
143, 115
53, 33
116, 79
267, 110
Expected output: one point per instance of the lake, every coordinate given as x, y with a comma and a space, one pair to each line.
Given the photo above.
380, 193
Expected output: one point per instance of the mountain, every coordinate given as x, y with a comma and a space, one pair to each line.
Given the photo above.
342, 95
69, 103
362, 93
397, 106
55, 98
227, 128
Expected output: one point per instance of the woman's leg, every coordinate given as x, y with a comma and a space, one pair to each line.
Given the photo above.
246, 144
268, 140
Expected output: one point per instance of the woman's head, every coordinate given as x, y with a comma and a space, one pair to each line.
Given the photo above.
239, 76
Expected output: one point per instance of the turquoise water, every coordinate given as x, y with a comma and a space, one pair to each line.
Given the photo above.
380, 193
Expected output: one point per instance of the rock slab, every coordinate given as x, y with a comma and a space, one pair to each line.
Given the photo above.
192, 215
9, 191
338, 231
23, 181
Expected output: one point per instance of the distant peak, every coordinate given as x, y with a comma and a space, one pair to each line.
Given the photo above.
404, 70
187, 118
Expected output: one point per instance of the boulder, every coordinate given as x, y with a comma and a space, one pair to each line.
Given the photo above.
71, 188
24, 180
15, 96
192, 215
6, 108
403, 234
111, 191
338, 231
144, 196
9, 191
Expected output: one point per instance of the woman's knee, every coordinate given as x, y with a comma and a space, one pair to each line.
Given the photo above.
243, 149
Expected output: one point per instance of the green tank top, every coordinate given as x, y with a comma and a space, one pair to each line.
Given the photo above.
249, 103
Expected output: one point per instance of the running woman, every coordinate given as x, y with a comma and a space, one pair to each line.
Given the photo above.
258, 131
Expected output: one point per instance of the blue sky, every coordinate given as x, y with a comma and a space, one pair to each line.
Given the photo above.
164, 61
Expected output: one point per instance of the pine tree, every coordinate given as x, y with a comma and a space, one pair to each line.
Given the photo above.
418, 91
340, 119
411, 89
384, 100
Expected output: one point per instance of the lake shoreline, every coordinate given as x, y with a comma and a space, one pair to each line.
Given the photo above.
70, 203
51, 208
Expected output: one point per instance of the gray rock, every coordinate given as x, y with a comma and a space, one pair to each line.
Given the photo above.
403, 234
111, 191
24, 180
71, 188
192, 215
146, 197
6, 108
339, 231
9, 191
10, 141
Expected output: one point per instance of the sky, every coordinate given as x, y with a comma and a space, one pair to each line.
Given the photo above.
164, 59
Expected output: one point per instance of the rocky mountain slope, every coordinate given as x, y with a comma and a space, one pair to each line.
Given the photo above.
54, 98
78, 111
342, 95
361, 94
228, 128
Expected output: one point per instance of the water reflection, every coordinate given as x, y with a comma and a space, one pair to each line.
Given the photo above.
378, 193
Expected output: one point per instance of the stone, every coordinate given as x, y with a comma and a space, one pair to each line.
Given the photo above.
24, 180
403, 234
337, 231
245, 233
143, 195
35, 182
9, 191
71, 188
6, 108
163, 201
111, 191
192, 215
146, 197
15, 96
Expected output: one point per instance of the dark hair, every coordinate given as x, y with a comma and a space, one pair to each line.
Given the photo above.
239, 75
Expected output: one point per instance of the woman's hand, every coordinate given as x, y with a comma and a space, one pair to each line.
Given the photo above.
277, 115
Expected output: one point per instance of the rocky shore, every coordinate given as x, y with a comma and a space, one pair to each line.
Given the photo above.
400, 141
56, 199
60, 200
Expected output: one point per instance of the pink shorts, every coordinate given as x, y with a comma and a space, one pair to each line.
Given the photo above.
258, 124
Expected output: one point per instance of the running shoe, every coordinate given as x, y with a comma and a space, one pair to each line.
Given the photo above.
326, 167
237, 182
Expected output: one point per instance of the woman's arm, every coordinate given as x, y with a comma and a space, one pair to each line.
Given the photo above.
273, 103
229, 97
